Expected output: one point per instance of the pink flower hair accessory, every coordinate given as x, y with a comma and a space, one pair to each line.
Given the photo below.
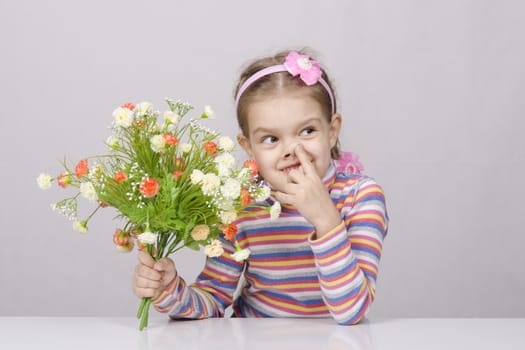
348, 163
308, 70
301, 65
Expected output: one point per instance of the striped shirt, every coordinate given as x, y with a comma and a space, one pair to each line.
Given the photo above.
289, 272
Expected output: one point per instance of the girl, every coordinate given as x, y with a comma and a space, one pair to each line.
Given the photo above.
320, 256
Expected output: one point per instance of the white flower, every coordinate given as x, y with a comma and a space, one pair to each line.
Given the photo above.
200, 232
147, 237
196, 176
275, 210
263, 193
171, 117
210, 183
228, 216
157, 143
112, 142
44, 181
231, 189
225, 163
226, 144
88, 191
80, 226
186, 147
225, 204
214, 249
208, 112
96, 170
241, 255
144, 107
123, 117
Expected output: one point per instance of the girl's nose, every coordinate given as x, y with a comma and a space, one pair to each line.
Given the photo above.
290, 151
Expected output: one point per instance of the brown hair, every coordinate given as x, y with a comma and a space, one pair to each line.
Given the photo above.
276, 84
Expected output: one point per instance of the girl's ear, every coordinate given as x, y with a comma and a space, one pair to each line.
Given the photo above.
335, 128
245, 144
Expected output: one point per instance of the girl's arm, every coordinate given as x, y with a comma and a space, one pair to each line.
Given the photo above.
347, 257
209, 295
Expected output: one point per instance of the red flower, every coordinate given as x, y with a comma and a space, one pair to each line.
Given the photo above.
129, 106
250, 163
63, 180
246, 198
229, 231
211, 148
120, 176
149, 187
177, 174
82, 168
170, 139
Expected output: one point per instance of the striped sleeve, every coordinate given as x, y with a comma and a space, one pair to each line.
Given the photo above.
347, 257
209, 295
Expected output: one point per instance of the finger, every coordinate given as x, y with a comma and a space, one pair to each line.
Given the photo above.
295, 176
304, 159
284, 198
145, 292
146, 283
143, 271
162, 265
145, 259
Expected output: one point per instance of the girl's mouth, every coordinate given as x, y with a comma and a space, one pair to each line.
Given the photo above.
290, 168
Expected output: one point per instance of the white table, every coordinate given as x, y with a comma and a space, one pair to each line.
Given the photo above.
96, 333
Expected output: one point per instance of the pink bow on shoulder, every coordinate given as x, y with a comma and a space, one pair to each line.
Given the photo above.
348, 163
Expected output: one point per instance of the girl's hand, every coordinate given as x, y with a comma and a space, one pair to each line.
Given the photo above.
307, 193
151, 277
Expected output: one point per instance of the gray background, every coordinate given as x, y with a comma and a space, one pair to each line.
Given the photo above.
432, 99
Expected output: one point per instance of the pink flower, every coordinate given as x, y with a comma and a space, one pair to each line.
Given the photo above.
308, 70
349, 163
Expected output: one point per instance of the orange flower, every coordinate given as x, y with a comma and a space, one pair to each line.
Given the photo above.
121, 238
129, 106
177, 174
170, 139
120, 176
229, 231
82, 168
211, 148
63, 180
149, 187
245, 198
250, 163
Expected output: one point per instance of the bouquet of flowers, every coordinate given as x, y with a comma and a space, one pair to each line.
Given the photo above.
174, 184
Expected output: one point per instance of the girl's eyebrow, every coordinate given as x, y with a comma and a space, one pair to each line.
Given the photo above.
263, 129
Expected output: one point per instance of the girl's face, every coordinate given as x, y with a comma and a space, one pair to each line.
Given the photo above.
278, 124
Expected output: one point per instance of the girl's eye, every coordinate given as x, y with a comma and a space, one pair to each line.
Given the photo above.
269, 139
307, 131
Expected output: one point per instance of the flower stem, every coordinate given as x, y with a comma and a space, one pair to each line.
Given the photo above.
143, 313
